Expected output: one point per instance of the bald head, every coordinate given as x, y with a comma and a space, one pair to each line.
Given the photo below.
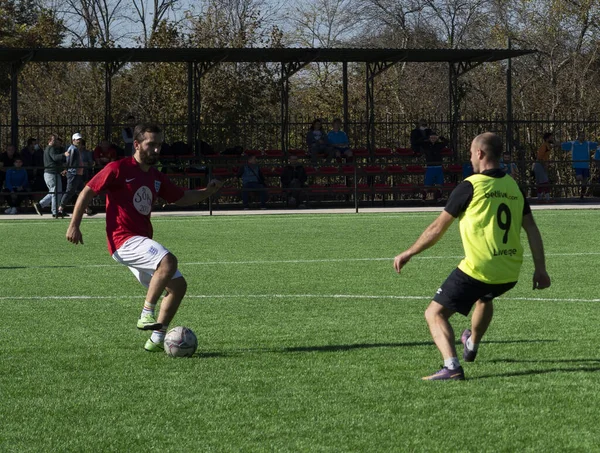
486, 150
490, 144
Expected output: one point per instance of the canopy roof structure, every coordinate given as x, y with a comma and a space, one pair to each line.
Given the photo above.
279, 55
201, 60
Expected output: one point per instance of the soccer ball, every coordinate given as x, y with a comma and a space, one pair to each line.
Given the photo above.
180, 342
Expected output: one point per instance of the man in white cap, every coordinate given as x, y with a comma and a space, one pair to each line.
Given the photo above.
74, 172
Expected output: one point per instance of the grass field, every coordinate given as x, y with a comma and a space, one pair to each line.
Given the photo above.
308, 342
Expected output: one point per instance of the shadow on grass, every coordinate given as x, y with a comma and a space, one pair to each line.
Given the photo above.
585, 369
544, 361
338, 348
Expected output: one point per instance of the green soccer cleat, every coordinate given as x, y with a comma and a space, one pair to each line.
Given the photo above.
148, 322
151, 346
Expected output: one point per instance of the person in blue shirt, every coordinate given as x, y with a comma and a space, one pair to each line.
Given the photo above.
16, 184
339, 140
252, 181
507, 165
581, 151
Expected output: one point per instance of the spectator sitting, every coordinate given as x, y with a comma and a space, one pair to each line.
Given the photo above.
252, 180
507, 165
17, 184
7, 160
580, 150
434, 175
339, 140
317, 142
104, 153
419, 136
32, 156
294, 179
540, 167
127, 134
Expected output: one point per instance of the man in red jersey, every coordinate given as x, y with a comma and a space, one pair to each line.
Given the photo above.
132, 185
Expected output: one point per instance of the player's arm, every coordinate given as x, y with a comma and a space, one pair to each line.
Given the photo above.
83, 201
196, 196
428, 238
541, 279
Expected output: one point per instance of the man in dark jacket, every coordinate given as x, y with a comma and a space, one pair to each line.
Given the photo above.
419, 136
54, 156
434, 175
293, 179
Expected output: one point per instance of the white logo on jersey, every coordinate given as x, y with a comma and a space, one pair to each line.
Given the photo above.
142, 200
129, 180
157, 185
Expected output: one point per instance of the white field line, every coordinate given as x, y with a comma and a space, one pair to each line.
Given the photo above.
319, 260
289, 296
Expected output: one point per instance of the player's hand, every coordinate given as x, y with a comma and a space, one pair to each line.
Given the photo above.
214, 185
541, 280
74, 235
401, 260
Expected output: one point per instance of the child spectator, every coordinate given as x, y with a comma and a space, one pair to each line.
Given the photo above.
339, 140
316, 139
294, 179
17, 184
252, 181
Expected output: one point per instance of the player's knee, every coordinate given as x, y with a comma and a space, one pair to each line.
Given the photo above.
168, 264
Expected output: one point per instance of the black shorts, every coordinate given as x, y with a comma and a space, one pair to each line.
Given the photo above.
460, 292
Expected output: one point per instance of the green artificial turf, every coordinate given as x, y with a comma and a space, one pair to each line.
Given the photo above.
308, 342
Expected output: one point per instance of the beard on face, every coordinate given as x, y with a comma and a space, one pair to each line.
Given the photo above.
150, 159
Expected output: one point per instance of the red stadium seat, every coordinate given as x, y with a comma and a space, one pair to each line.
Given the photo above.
318, 188
341, 188
383, 151
253, 152
373, 170
447, 151
363, 187
394, 169
273, 153
380, 187
310, 171
297, 152
415, 169
329, 170
407, 152
453, 168
348, 169
360, 152
403, 187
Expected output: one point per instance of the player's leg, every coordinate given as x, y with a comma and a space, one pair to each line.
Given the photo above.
437, 317
480, 321
176, 289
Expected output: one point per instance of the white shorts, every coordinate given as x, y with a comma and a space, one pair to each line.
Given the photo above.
142, 256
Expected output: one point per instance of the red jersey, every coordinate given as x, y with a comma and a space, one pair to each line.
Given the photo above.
130, 194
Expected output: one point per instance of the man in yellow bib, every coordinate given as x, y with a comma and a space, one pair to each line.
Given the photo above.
491, 210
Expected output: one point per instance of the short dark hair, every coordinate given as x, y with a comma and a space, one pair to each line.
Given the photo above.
31, 140
315, 121
547, 135
491, 144
17, 157
140, 130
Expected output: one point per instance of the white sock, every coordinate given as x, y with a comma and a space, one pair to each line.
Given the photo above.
159, 335
472, 346
452, 363
148, 309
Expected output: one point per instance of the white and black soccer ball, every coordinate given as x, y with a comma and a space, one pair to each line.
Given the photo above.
180, 342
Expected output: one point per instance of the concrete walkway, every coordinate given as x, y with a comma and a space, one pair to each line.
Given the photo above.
175, 213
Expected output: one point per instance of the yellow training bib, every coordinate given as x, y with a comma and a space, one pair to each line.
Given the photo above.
490, 230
